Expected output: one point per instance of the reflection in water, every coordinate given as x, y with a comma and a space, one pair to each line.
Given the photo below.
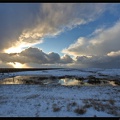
112, 83
68, 81
14, 80
42, 80
28, 80
11, 81
37, 80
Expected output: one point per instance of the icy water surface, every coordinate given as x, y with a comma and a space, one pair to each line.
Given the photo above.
53, 81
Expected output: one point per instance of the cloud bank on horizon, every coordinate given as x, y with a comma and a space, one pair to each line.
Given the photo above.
24, 25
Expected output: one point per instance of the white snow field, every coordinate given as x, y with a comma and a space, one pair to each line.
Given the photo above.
21, 100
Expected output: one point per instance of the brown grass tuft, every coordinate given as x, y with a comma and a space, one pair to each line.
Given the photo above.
56, 108
79, 110
112, 102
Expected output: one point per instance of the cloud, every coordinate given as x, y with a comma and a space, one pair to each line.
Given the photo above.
98, 61
97, 31
4, 65
66, 59
35, 56
102, 43
53, 57
114, 53
15, 18
24, 24
101, 49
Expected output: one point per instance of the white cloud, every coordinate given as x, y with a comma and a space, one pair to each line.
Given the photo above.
100, 44
100, 50
116, 53
97, 31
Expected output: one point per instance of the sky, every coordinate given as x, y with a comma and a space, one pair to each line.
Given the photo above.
72, 35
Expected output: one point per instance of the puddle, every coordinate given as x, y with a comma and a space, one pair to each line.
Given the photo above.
28, 80
47, 80
14, 80
68, 81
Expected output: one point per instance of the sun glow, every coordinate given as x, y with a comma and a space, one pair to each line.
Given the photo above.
19, 47
13, 50
17, 65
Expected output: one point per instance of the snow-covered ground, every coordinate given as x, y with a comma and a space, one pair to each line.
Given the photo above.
61, 101
62, 72
58, 101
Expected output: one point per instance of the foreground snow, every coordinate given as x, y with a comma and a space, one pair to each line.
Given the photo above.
40, 101
61, 101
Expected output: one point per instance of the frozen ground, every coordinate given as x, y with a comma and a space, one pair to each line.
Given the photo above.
61, 72
61, 101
